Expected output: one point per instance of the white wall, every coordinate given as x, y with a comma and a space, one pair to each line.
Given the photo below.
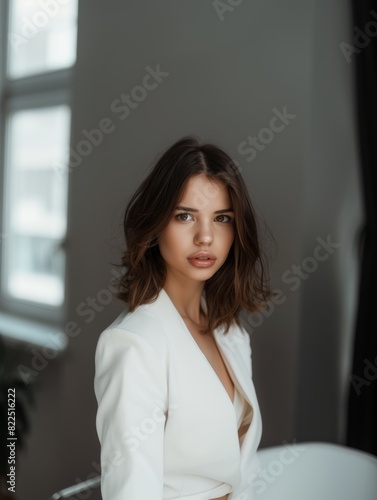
224, 80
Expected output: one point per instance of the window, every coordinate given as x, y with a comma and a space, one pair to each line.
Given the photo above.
38, 46
41, 36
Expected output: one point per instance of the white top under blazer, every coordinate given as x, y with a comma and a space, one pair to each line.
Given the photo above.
166, 424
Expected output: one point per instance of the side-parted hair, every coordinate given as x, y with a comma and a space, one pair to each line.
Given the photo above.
240, 283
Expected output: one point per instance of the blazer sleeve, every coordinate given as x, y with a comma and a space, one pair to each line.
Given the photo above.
131, 390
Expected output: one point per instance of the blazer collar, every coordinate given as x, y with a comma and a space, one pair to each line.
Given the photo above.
165, 310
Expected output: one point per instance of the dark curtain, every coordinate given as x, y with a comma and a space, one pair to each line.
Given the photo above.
362, 398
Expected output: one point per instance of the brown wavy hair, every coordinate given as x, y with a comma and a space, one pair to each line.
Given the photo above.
241, 282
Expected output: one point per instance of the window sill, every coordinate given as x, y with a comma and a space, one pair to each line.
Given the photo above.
32, 333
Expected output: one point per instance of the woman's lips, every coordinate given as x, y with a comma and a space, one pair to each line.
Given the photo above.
202, 262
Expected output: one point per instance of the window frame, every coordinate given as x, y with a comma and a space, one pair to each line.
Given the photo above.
30, 92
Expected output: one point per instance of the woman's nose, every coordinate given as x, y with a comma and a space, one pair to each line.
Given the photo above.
204, 235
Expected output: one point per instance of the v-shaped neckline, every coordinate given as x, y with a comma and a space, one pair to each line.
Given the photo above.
205, 357
209, 364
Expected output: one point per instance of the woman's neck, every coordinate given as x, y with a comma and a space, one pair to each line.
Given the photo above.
187, 304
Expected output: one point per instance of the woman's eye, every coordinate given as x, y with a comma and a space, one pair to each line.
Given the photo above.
179, 215
229, 218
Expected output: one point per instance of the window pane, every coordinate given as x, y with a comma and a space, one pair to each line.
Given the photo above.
42, 36
36, 204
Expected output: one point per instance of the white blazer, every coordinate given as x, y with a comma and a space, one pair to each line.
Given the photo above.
166, 424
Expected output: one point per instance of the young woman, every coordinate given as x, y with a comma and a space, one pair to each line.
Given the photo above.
178, 417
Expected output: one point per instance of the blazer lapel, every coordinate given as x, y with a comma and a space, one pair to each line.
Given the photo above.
236, 370
164, 308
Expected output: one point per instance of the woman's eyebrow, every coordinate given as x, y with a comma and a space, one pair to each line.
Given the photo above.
180, 207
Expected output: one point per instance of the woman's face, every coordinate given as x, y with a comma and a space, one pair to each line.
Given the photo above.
190, 231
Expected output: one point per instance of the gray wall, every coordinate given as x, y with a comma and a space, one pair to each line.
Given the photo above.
333, 209
224, 79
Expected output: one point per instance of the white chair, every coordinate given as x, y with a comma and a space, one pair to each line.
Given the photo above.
315, 471
76, 489
297, 471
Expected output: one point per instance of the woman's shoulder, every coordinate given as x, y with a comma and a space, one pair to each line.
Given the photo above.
130, 355
137, 327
